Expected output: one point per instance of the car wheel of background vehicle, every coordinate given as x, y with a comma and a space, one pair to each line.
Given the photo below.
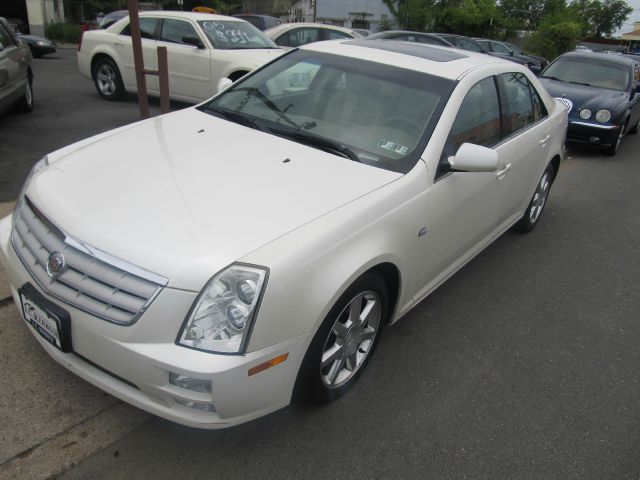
25, 105
344, 343
33, 52
107, 79
613, 149
534, 211
634, 130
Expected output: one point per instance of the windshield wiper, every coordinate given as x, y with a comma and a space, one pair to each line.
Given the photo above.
551, 78
270, 105
581, 83
237, 117
320, 143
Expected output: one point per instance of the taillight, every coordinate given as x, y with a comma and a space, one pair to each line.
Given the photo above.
80, 42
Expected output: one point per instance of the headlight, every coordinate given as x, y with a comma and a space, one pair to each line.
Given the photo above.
42, 44
603, 116
39, 165
585, 114
221, 320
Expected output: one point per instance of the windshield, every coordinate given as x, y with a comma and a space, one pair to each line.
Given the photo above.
367, 112
590, 72
229, 35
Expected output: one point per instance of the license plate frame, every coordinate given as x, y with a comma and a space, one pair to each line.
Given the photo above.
50, 321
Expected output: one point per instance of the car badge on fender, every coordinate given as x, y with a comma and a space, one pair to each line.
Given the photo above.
55, 264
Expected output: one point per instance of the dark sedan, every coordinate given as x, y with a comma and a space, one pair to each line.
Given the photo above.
460, 41
418, 37
603, 92
499, 49
39, 46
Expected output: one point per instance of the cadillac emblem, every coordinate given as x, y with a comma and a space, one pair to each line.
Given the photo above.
55, 264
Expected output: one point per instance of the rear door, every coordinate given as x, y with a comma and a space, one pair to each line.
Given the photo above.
189, 65
124, 49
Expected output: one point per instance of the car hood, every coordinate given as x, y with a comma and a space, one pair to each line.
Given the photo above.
186, 194
583, 96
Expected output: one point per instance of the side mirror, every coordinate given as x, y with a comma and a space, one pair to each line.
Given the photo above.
474, 158
223, 84
193, 41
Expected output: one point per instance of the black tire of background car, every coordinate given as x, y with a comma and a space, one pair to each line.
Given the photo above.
119, 92
309, 385
634, 130
615, 146
33, 52
525, 224
25, 105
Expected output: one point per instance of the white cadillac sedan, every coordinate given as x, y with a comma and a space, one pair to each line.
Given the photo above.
208, 264
201, 49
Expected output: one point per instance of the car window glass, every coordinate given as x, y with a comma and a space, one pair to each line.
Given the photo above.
5, 38
520, 111
298, 36
499, 48
335, 35
175, 30
147, 28
539, 110
294, 79
428, 41
478, 120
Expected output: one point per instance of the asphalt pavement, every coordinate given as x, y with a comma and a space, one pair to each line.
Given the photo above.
525, 364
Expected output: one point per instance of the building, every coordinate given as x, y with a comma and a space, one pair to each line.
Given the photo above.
633, 37
32, 15
367, 14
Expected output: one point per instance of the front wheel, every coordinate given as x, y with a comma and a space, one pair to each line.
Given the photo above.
613, 149
534, 211
344, 343
25, 105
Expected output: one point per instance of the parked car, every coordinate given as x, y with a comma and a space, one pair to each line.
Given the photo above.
604, 94
460, 41
261, 22
39, 46
202, 48
208, 264
499, 49
362, 31
16, 75
297, 34
404, 36
110, 18
542, 62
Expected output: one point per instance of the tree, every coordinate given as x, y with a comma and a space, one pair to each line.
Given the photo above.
555, 35
469, 17
600, 18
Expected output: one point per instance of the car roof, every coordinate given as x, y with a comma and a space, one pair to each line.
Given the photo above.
188, 15
288, 26
446, 62
600, 56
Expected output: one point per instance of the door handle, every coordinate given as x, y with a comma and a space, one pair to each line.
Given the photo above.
118, 44
505, 168
545, 139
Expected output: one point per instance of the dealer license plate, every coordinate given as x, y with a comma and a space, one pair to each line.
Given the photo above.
45, 323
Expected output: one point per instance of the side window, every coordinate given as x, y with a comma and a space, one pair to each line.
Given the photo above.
298, 36
524, 106
478, 120
5, 38
175, 30
147, 28
499, 48
335, 35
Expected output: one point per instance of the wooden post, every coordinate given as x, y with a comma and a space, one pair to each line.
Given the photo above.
138, 59
163, 75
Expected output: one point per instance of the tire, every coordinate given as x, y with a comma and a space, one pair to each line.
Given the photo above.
107, 79
25, 104
634, 130
534, 210
347, 346
613, 149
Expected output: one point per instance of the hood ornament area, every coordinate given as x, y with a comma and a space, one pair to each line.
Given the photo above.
55, 264
567, 103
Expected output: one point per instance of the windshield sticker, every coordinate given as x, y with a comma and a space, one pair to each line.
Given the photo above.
393, 147
225, 33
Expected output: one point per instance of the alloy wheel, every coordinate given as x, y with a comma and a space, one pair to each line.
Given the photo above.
106, 78
540, 197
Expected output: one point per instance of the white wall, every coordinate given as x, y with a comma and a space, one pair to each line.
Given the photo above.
41, 12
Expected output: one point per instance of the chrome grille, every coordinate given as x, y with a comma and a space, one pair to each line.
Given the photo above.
92, 280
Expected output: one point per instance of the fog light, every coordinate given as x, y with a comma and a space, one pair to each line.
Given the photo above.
204, 407
188, 383
594, 139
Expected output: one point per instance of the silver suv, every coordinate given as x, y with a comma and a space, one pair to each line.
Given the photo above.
16, 75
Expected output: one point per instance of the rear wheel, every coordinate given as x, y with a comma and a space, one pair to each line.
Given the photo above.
534, 211
107, 79
25, 105
344, 343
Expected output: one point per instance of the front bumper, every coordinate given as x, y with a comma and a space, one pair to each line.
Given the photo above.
40, 50
592, 134
134, 362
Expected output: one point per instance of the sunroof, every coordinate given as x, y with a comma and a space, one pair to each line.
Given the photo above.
409, 48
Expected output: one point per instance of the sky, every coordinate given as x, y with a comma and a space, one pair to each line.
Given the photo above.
634, 17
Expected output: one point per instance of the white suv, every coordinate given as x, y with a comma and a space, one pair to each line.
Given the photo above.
202, 48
